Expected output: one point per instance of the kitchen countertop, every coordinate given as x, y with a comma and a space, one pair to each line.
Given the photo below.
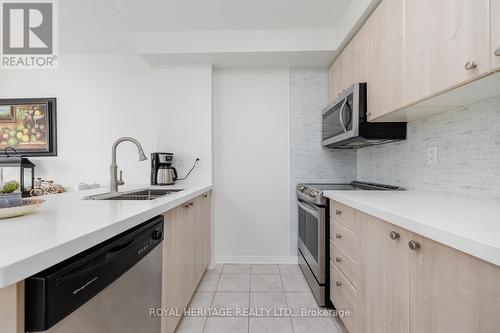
67, 225
469, 225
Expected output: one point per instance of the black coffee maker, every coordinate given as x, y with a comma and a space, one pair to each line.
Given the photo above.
162, 171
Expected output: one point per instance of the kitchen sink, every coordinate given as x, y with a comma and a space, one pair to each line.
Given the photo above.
144, 194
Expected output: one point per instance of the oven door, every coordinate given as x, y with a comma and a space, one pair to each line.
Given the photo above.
312, 238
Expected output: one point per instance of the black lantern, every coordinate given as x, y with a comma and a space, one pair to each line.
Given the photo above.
17, 174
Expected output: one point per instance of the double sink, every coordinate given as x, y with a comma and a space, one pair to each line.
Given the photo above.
144, 194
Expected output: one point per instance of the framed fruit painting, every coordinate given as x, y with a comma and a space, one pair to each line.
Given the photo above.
29, 126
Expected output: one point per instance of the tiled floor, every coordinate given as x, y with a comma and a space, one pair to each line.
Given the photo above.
277, 294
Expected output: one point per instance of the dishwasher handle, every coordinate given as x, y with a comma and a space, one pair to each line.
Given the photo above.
99, 260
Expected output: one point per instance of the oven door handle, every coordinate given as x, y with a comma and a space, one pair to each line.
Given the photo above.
341, 115
308, 208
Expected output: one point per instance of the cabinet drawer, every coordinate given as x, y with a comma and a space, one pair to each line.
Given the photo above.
344, 262
344, 238
343, 296
343, 214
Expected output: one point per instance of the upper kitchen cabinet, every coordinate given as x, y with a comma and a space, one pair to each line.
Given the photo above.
335, 79
353, 61
383, 36
495, 34
447, 43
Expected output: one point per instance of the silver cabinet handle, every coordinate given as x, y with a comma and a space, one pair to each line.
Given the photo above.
394, 235
497, 52
338, 284
337, 259
413, 245
338, 236
341, 115
470, 65
338, 212
189, 204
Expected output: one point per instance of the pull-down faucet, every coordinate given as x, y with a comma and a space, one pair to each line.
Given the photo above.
114, 168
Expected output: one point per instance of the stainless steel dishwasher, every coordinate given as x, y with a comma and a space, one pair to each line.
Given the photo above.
109, 288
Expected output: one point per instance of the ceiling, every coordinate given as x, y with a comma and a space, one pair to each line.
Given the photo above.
110, 25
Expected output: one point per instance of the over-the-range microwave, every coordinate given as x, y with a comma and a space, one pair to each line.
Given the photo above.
345, 123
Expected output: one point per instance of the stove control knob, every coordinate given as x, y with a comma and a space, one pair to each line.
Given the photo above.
302, 188
315, 194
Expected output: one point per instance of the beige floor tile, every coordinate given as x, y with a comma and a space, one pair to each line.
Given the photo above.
268, 304
191, 325
264, 269
209, 282
299, 303
236, 269
290, 269
227, 325
295, 283
265, 282
236, 304
270, 325
313, 325
234, 282
201, 299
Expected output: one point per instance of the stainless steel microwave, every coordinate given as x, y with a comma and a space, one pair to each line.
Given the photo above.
345, 123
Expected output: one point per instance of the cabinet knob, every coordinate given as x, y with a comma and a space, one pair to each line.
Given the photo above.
497, 52
338, 284
394, 235
337, 259
189, 204
338, 236
413, 245
470, 65
338, 212
205, 195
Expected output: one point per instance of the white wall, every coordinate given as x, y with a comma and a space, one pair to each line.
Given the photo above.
100, 98
251, 165
183, 121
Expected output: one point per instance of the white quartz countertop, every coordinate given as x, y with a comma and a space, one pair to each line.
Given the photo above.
469, 225
67, 225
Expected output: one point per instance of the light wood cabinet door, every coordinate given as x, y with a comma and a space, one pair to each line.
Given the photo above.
495, 34
354, 61
383, 35
186, 251
335, 79
383, 281
444, 40
451, 291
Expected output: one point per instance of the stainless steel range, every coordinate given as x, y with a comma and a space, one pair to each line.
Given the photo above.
314, 231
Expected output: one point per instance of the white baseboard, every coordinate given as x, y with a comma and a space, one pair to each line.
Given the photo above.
256, 259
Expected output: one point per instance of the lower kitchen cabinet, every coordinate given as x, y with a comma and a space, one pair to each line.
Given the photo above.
451, 291
186, 255
383, 277
408, 283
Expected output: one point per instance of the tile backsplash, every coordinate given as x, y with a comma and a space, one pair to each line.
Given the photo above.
309, 161
468, 144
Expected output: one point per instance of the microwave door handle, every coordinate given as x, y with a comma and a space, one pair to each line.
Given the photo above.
341, 115
308, 209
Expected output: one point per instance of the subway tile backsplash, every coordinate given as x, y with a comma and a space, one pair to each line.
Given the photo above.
309, 161
468, 144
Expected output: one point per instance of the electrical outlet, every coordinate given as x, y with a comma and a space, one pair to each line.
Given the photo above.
432, 155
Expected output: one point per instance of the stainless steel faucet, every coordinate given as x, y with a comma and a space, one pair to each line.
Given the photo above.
114, 168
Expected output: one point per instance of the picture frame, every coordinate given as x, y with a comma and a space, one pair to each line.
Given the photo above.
6, 114
29, 125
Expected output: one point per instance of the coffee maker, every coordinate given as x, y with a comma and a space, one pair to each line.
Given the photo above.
162, 171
